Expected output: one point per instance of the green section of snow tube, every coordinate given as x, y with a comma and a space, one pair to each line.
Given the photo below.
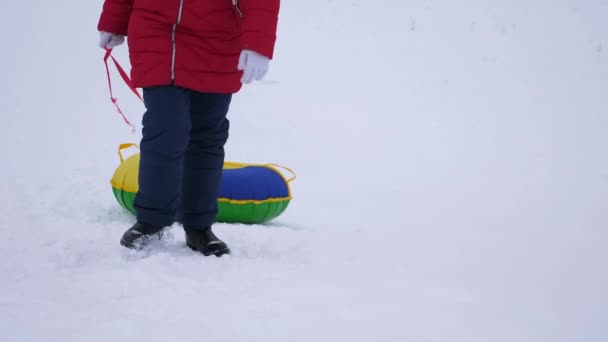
125, 198
249, 213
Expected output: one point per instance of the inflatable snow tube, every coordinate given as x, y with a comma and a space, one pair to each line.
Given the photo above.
249, 193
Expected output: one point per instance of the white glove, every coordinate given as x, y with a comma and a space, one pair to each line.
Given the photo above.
109, 40
254, 66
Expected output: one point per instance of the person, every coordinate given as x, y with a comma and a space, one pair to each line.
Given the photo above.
189, 56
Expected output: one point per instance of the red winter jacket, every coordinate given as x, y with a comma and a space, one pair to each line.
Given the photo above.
193, 44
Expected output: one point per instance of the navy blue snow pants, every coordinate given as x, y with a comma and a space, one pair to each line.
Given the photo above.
182, 156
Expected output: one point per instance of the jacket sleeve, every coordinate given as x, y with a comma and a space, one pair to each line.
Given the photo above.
115, 16
260, 18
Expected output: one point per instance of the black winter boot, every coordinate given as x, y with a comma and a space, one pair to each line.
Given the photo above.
140, 234
204, 241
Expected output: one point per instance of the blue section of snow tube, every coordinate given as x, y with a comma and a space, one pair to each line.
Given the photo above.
256, 183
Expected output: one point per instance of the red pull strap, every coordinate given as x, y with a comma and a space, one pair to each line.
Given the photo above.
125, 78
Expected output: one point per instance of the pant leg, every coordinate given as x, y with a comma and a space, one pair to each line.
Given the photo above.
204, 160
166, 127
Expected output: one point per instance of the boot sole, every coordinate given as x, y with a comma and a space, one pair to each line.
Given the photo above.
129, 245
141, 242
216, 253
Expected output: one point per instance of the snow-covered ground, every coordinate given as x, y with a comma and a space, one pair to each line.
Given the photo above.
452, 182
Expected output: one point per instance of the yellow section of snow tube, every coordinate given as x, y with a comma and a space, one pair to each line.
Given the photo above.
249, 193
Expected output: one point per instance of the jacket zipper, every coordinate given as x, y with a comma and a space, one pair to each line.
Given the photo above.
238, 9
179, 19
